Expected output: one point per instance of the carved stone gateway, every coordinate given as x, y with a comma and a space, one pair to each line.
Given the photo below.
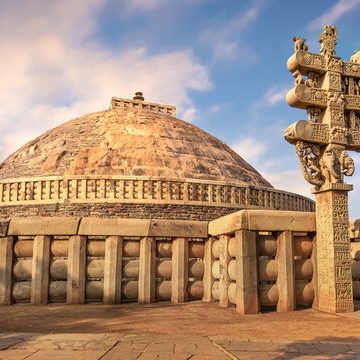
328, 88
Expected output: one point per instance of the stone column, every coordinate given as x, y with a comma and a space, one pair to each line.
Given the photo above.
224, 259
147, 269
286, 273
334, 282
247, 298
180, 273
76, 270
208, 279
113, 269
40, 270
6, 261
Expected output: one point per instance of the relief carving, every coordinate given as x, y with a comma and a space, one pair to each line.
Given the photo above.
328, 40
347, 164
313, 79
336, 97
330, 166
309, 155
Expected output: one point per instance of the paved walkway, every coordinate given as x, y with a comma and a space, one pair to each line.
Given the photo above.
195, 331
18, 346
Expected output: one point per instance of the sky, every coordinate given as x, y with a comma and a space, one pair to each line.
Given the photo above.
221, 62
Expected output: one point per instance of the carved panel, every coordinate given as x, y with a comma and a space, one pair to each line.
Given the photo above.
351, 69
352, 102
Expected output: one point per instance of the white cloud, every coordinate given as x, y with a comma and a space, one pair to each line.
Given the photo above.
250, 149
288, 180
151, 5
226, 40
51, 70
333, 14
272, 96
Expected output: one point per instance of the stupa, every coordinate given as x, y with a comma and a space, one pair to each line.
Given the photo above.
117, 206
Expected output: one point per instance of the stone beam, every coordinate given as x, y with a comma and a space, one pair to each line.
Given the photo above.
263, 220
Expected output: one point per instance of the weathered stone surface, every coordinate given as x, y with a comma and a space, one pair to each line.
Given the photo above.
263, 220
120, 227
4, 224
196, 229
130, 142
44, 226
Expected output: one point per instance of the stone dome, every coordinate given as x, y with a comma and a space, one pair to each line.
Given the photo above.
130, 142
135, 160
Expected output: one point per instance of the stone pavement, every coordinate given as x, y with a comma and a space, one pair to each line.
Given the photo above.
33, 346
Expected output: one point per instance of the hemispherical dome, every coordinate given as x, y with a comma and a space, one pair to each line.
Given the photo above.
130, 142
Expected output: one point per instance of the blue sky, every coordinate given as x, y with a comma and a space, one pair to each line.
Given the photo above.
221, 62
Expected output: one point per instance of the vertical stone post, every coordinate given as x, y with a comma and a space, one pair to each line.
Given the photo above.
40, 270
180, 273
113, 269
334, 280
208, 279
286, 273
314, 280
76, 270
247, 298
6, 261
147, 269
224, 260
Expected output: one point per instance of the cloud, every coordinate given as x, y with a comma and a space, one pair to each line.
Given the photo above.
225, 40
272, 96
289, 180
333, 14
53, 69
250, 149
152, 5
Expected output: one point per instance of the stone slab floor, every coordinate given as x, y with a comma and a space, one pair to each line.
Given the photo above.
166, 331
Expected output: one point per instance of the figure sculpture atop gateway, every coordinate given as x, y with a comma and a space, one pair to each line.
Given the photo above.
328, 88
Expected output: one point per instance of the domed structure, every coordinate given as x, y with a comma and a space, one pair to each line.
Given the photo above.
135, 160
130, 142
123, 205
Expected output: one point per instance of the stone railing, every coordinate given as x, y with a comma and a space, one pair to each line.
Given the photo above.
256, 259
355, 256
87, 189
253, 259
77, 260
120, 103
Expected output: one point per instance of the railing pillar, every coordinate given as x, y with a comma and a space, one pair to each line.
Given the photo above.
180, 273
247, 297
6, 260
113, 269
224, 280
40, 270
76, 270
208, 279
147, 269
286, 273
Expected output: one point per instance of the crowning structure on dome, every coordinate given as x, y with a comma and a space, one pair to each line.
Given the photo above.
133, 160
